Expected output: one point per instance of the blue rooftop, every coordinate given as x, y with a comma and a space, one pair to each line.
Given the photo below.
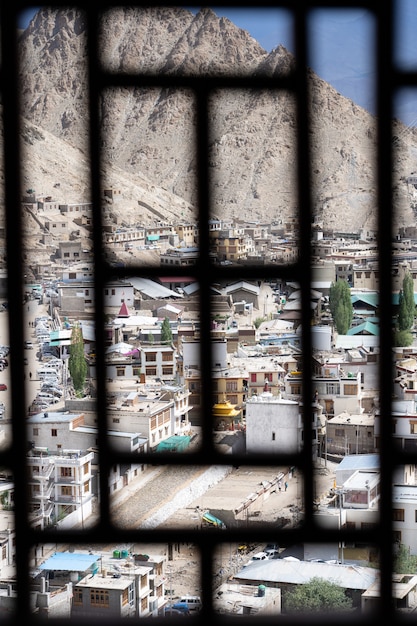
70, 562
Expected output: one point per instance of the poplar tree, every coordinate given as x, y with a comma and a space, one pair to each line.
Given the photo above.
340, 304
166, 332
406, 307
77, 364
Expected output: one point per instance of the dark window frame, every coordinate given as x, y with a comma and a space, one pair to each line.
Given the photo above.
389, 79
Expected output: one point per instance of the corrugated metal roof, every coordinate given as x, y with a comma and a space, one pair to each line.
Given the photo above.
369, 298
70, 562
242, 284
359, 461
152, 289
301, 572
367, 327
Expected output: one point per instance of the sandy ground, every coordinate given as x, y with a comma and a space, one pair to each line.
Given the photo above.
184, 566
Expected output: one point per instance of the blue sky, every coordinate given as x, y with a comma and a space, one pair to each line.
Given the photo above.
341, 50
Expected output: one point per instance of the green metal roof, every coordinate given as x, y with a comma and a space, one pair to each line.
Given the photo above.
367, 327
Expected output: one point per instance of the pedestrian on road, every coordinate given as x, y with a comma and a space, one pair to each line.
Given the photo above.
30, 375
286, 485
279, 485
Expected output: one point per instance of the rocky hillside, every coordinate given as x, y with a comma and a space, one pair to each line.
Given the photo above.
148, 135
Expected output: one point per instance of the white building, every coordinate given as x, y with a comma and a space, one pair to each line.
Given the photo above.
404, 507
273, 424
60, 487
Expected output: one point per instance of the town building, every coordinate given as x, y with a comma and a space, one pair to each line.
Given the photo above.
60, 485
351, 433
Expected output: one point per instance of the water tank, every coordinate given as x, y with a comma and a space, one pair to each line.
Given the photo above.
116, 554
124, 554
261, 591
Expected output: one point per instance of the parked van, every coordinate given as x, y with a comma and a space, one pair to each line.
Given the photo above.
193, 602
178, 607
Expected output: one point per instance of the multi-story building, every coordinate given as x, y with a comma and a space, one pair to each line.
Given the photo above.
228, 246
404, 502
188, 234
262, 374
179, 256
158, 361
75, 428
60, 487
275, 424
230, 384
348, 433
335, 389
403, 424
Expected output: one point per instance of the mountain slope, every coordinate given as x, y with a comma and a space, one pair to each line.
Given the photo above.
148, 134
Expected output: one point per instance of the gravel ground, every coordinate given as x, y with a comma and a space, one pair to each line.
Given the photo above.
173, 496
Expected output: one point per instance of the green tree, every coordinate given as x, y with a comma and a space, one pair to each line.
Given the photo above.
402, 338
317, 596
258, 321
77, 364
404, 562
406, 306
340, 304
166, 332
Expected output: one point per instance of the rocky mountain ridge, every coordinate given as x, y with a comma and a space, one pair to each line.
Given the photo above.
148, 134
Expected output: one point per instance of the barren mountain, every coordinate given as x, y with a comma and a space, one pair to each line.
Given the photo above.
148, 134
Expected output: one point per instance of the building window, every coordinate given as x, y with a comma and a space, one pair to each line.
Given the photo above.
398, 515
99, 597
78, 597
351, 390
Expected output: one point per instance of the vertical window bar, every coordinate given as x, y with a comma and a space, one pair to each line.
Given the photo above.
385, 216
15, 456
101, 274
304, 262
